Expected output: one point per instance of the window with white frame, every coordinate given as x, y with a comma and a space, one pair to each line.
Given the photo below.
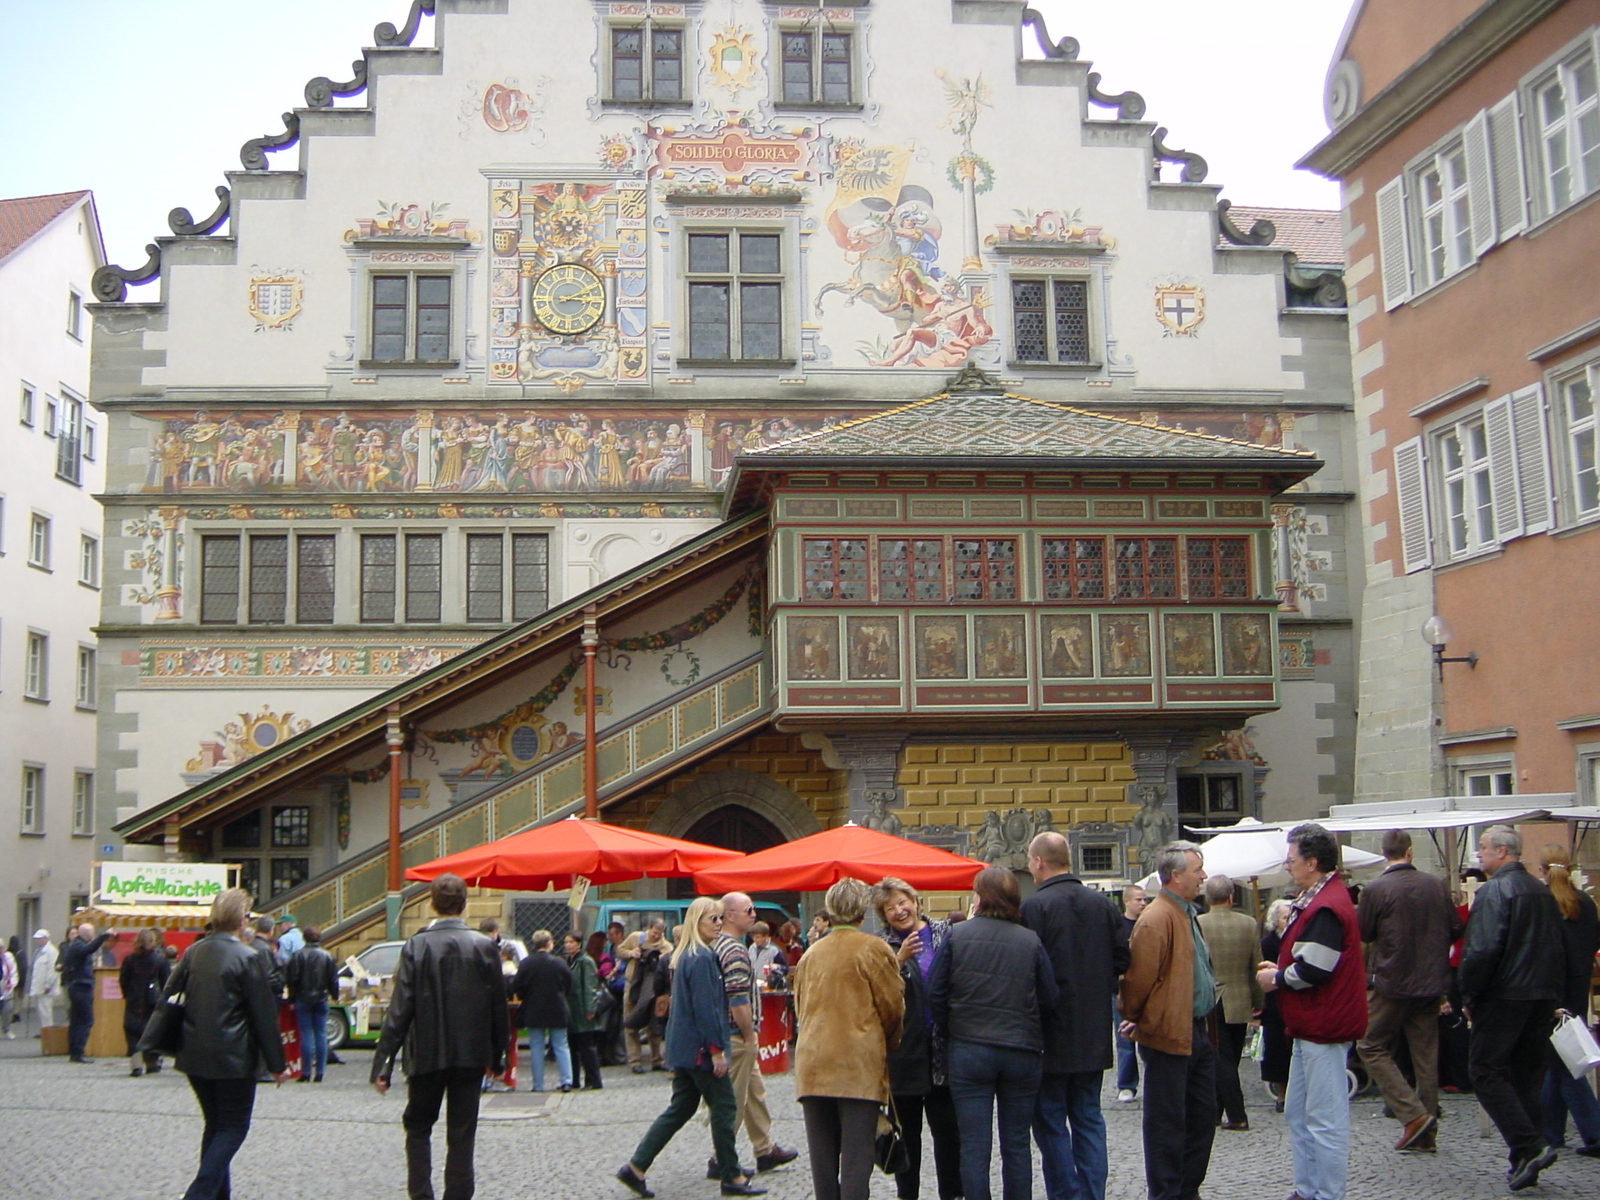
39, 541
1587, 773
90, 438
69, 440
1576, 415
32, 815
36, 667
84, 682
411, 318
735, 285
82, 803
1444, 216
1566, 122
1050, 320
645, 62
1464, 479
51, 416
25, 410
817, 65
1487, 780
89, 561
74, 314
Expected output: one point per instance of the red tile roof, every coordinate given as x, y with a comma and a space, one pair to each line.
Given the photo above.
1315, 234
25, 216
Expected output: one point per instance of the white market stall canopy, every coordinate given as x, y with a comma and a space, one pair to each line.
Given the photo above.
1254, 850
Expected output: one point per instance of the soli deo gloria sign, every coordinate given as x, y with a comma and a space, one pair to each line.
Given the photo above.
162, 883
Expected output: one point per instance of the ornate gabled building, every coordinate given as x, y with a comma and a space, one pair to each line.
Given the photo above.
639, 307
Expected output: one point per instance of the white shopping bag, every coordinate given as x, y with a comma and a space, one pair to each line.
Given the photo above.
1576, 1045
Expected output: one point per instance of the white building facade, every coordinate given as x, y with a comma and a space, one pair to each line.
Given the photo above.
52, 467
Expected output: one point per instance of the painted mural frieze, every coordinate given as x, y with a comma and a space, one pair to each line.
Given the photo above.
272, 661
243, 739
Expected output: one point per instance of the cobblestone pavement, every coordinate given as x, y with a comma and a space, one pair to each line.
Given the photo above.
91, 1130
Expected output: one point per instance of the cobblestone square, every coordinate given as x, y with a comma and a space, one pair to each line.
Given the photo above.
94, 1131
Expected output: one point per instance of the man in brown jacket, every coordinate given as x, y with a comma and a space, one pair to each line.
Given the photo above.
1409, 922
1234, 939
1167, 996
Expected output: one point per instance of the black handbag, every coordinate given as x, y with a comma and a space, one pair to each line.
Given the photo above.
889, 1148
163, 1032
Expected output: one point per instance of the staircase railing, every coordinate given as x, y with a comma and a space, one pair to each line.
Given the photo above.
629, 754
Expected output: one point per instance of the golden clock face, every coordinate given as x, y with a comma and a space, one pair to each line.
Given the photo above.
568, 299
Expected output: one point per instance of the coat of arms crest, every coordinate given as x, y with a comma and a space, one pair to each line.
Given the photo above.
274, 301
1180, 307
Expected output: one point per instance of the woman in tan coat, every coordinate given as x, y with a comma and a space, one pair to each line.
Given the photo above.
849, 1002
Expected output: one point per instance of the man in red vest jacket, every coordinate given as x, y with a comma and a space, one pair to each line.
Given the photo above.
1321, 986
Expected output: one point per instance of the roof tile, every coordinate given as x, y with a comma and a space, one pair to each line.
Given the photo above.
25, 216
1316, 235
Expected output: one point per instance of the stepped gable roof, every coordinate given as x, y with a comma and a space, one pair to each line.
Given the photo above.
361, 727
1316, 235
26, 216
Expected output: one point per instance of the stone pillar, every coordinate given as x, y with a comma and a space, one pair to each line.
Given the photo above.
1155, 791
873, 760
423, 425
169, 596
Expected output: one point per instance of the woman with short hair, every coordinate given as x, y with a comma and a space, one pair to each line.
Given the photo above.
850, 1003
142, 976
584, 1024
230, 1030
699, 1030
988, 986
917, 1068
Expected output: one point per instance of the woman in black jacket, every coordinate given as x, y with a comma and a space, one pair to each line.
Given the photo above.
142, 977
988, 985
1580, 939
917, 1077
230, 1030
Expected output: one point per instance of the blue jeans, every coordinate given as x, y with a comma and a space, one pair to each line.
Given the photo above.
1563, 1095
226, 1105
313, 1020
1317, 1111
1071, 1134
1127, 1056
558, 1038
983, 1079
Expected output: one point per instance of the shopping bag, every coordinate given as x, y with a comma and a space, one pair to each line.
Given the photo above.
1575, 1044
1256, 1048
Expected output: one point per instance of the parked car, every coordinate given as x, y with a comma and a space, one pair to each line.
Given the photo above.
377, 963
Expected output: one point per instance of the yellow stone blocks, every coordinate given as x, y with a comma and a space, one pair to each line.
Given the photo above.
956, 784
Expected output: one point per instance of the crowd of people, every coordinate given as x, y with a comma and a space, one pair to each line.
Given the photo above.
993, 1025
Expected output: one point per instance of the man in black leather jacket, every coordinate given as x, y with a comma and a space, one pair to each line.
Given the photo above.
449, 1012
1510, 978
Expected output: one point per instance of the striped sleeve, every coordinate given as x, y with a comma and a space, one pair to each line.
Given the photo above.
1317, 949
734, 960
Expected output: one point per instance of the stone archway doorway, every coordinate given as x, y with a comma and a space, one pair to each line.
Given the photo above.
735, 827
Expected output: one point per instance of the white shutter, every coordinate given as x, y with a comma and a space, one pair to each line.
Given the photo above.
1503, 494
1392, 247
1411, 493
1533, 459
1480, 182
1505, 153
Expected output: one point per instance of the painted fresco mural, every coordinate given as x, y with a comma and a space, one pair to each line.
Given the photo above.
472, 451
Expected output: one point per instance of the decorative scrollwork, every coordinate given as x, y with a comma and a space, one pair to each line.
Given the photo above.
183, 224
110, 283
321, 91
387, 35
1194, 167
253, 154
1305, 290
1262, 232
1067, 48
1129, 105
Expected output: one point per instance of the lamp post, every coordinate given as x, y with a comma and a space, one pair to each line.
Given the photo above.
1437, 632
395, 735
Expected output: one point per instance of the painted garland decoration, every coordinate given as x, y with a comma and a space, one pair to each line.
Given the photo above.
974, 166
694, 666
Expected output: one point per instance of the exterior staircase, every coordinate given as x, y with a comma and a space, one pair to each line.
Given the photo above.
348, 901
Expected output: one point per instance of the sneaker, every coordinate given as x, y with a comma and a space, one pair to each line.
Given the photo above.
1127, 1096
1525, 1174
776, 1157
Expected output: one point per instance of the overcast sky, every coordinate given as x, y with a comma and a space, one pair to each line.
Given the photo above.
148, 101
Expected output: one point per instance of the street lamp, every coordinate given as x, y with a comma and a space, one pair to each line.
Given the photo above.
1437, 632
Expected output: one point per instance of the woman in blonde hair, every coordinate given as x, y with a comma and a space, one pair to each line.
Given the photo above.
1580, 937
850, 1003
699, 1029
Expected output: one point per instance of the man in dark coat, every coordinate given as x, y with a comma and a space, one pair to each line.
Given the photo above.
449, 1012
77, 972
1512, 963
1083, 935
542, 984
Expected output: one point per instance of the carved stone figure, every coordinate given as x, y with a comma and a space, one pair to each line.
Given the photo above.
1153, 823
989, 842
878, 815
1003, 841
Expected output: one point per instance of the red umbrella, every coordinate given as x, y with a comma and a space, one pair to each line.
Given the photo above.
821, 860
550, 855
